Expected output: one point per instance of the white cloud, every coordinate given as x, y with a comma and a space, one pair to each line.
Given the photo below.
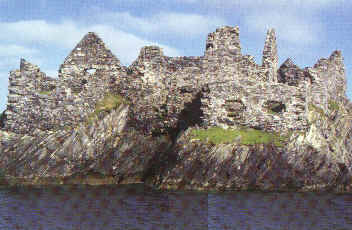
11, 50
127, 46
289, 26
67, 34
176, 24
63, 34
302, 4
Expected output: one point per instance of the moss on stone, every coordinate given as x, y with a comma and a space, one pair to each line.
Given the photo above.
45, 92
333, 105
315, 108
247, 136
107, 104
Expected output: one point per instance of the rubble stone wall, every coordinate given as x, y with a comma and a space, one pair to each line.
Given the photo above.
36, 101
261, 105
229, 88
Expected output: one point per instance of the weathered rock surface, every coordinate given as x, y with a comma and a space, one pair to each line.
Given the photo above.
103, 123
110, 152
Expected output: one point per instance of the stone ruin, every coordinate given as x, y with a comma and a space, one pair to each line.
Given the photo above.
167, 94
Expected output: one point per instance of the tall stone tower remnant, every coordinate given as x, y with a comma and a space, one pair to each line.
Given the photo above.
270, 57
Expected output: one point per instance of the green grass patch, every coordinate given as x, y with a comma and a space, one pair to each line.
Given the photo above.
272, 112
333, 105
317, 109
107, 104
45, 92
248, 136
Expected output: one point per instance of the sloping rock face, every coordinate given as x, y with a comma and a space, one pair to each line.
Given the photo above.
103, 123
110, 152
106, 151
317, 160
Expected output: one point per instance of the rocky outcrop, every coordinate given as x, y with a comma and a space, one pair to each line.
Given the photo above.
103, 123
105, 149
110, 152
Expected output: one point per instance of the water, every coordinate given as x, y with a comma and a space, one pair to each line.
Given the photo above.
133, 207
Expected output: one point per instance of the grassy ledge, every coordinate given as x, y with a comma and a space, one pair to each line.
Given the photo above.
107, 104
45, 92
247, 136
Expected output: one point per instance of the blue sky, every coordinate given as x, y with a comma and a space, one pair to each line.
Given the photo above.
44, 32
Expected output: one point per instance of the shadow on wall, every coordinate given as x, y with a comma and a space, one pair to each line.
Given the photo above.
190, 116
2, 119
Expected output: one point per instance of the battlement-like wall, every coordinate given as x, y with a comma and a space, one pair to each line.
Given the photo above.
222, 88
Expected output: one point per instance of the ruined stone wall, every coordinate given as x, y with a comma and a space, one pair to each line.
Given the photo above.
328, 80
159, 86
223, 87
225, 41
27, 95
261, 105
38, 102
88, 60
324, 83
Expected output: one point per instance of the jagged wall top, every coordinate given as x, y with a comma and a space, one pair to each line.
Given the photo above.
155, 80
224, 41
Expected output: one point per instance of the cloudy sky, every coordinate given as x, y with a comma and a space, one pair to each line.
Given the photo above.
45, 31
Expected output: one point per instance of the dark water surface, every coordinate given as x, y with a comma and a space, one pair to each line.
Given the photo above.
133, 207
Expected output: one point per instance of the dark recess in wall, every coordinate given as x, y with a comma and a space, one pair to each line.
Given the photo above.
2, 119
188, 117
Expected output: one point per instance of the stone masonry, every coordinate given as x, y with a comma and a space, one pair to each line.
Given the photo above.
221, 88
36, 101
270, 57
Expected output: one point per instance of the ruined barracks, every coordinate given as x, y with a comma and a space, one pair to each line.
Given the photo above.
221, 88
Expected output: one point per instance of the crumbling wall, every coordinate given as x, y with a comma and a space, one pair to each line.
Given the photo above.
261, 105
158, 87
328, 80
28, 89
89, 60
39, 102
225, 41
224, 87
